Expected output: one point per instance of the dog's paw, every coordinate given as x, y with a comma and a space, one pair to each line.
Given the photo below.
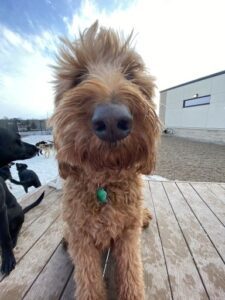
8, 261
147, 217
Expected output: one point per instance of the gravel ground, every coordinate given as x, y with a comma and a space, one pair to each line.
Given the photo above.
183, 159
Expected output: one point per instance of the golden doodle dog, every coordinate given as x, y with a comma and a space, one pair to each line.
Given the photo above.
105, 132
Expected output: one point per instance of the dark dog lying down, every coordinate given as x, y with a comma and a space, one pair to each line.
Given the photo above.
27, 177
11, 213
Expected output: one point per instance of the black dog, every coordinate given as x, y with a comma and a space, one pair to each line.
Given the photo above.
11, 213
27, 177
12, 148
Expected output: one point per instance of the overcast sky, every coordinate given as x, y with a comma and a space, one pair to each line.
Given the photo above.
179, 40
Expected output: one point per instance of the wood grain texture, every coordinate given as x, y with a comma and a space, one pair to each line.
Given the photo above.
30, 235
184, 278
155, 273
53, 278
214, 203
31, 196
210, 223
222, 185
69, 291
37, 211
217, 190
16, 285
52, 198
209, 264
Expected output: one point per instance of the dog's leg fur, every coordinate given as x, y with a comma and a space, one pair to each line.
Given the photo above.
16, 220
147, 217
8, 259
88, 272
127, 254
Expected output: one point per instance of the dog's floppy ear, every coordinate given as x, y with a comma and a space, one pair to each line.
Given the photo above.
148, 166
66, 170
148, 162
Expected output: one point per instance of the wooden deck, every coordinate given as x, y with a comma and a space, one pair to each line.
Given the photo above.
183, 250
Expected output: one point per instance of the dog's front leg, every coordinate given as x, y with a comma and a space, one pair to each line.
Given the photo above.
129, 269
88, 270
8, 259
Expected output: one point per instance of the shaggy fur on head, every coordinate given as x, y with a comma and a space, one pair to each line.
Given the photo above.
102, 67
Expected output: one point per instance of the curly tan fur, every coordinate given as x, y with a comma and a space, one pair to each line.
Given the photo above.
102, 67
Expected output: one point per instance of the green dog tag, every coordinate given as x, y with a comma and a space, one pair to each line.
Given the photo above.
101, 195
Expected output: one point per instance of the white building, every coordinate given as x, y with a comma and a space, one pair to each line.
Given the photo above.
196, 109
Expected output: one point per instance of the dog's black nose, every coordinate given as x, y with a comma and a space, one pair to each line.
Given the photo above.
112, 122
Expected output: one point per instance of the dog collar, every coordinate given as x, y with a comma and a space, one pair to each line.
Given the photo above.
102, 195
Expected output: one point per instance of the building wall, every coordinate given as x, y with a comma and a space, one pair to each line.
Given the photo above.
203, 121
201, 135
208, 116
162, 107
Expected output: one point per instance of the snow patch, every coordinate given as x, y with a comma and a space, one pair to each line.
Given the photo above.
45, 168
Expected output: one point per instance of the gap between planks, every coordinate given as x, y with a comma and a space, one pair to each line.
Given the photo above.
209, 264
16, 285
183, 274
29, 236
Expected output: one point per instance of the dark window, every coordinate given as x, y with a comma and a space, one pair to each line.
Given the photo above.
197, 101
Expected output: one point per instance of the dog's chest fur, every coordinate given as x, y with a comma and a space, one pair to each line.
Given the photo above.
103, 222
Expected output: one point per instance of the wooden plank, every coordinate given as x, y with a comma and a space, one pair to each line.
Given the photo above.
222, 185
44, 206
16, 285
184, 278
215, 204
110, 277
155, 273
68, 293
208, 220
208, 262
217, 190
52, 280
30, 235
35, 231
31, 196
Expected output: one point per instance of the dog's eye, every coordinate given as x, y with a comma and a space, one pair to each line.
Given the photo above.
129, 76
78, 79
132, 69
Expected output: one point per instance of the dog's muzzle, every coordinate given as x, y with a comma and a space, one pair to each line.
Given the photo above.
112, 122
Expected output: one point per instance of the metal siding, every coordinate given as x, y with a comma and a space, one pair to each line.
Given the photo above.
201, 88
173, 118
218, 84
216, 116
205, 116
195, 116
